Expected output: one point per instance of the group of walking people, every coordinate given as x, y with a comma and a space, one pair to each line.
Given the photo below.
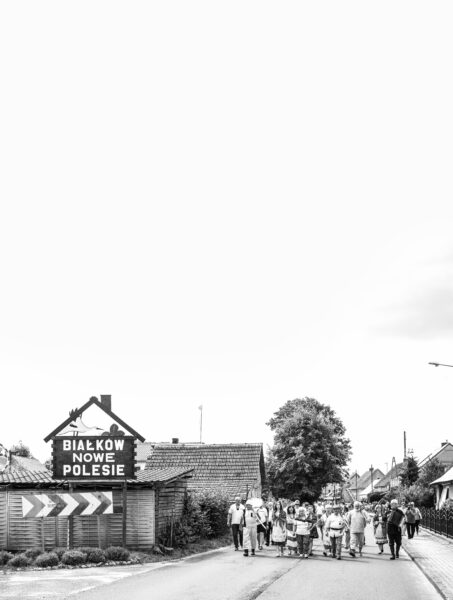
291, 527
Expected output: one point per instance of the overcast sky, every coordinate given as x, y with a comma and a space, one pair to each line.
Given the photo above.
229, 204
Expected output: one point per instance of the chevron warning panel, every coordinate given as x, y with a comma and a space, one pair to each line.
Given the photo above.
66, 504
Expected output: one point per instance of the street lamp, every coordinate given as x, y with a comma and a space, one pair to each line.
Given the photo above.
436, 364
371, 471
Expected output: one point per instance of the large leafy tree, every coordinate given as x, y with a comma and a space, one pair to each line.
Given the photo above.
310, 449
409, 474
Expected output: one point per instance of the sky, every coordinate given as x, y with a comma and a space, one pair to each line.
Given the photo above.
229, 205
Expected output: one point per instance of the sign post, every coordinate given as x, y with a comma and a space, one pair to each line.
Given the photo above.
82, 454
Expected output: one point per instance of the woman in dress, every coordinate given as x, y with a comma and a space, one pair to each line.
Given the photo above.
313, 531
327, 511
380, 527
279, 527
291, 541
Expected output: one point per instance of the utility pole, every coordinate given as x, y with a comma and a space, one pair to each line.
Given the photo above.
200, 408
405, 454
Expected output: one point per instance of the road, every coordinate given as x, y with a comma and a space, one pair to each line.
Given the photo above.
227, 575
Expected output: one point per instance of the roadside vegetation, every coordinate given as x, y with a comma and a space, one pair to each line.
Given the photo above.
202, 528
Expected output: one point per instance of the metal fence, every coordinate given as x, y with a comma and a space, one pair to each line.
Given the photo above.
439, 521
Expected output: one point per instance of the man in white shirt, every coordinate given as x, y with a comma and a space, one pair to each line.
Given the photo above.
357, 520
234, 521
335, 525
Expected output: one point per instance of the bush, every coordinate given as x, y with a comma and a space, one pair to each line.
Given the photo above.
32, 553
420, 495
73, 557
96, 555
215, 506
59, 552
20, 560
47, 559
5, 557
117, 553
204, 516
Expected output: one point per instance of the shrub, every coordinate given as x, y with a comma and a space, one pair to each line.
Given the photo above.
73, 557
204, 516
95, 555
47, 559
5, 557
20, 560
32, 553
117, 553
59, 552
215, 506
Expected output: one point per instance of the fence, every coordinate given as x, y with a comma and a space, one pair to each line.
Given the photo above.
439, 521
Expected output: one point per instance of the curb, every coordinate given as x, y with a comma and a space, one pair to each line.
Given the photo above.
425, 573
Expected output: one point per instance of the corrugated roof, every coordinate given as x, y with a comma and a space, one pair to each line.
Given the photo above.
14, 476
22, 463
232, 468
162, 475
11, 476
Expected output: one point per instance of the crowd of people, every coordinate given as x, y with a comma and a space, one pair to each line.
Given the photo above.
291, 526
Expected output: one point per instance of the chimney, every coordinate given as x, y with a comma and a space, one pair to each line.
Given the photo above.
106, 401
445, 443
175, 440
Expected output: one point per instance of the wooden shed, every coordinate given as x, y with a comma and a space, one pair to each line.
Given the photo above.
154, 499
236, 469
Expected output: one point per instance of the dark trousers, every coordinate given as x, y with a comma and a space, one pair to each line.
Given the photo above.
417, 523
410, 530
335, 542
268, 534
237, 535
394, 535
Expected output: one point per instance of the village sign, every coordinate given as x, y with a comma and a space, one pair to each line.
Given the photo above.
81, 453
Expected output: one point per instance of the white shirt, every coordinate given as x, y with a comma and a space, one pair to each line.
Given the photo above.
335, 525
236, 513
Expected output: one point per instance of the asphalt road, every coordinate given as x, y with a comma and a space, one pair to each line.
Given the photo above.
227, 575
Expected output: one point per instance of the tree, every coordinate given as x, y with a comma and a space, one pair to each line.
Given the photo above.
409, 474
20, 449
310, 449
430, 472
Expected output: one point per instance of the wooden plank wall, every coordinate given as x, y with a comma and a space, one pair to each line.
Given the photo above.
3, 520
17, 533
170, 507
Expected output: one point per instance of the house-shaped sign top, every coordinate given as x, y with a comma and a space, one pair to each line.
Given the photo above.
73, 425
82, 452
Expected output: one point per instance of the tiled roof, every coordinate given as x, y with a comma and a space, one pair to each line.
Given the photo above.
14, 476
232, 468
144, 450
162, 475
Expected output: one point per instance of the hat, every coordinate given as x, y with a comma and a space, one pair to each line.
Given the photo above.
296, 501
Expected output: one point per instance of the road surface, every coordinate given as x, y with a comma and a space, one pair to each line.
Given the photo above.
227, 575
